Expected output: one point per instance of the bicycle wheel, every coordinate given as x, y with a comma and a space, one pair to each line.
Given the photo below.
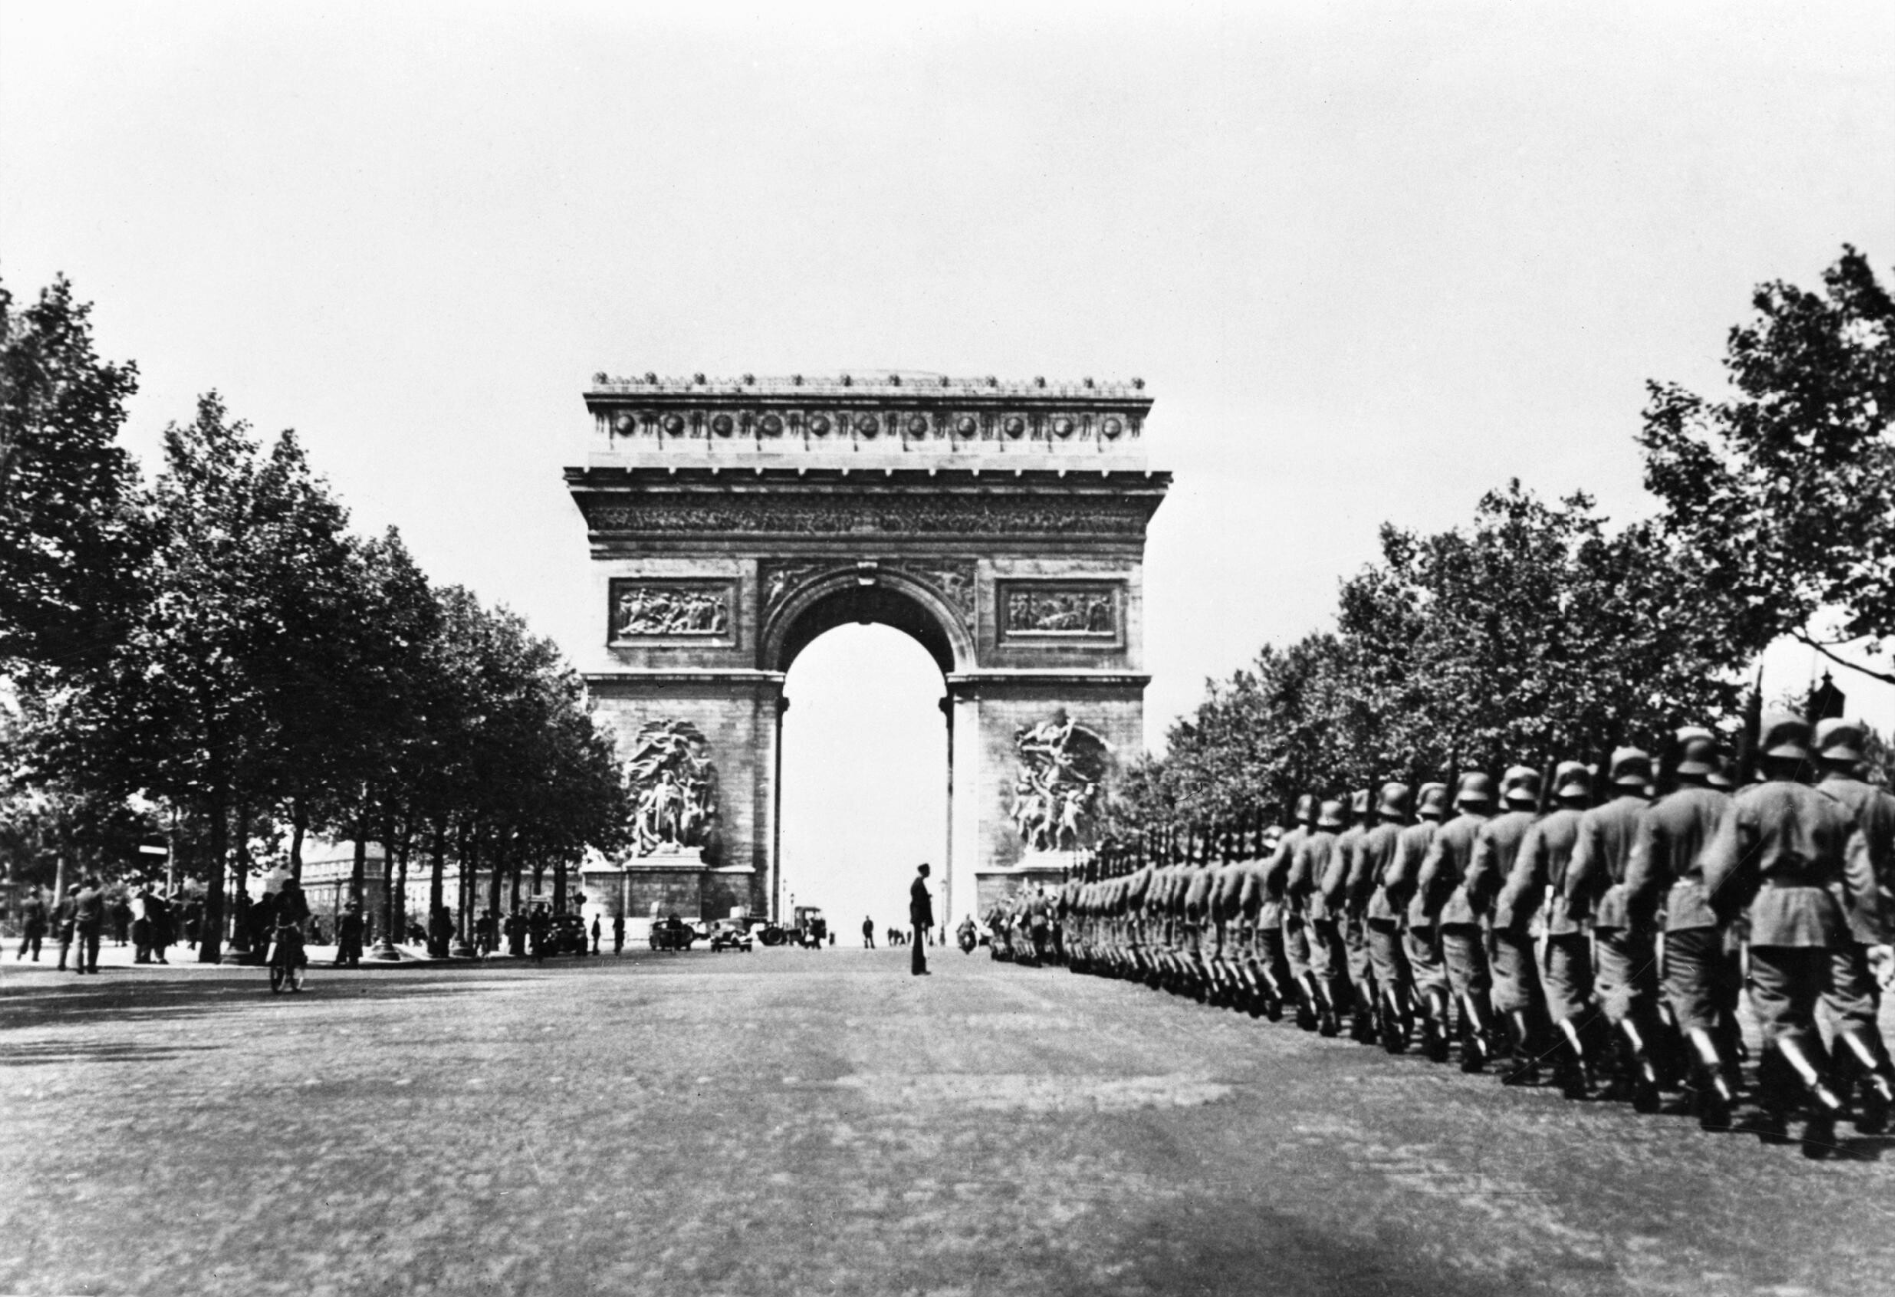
277, 979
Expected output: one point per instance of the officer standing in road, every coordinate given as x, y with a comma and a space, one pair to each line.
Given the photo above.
1778, 858
1701, 976
1854, 998
921, 919
1624, 955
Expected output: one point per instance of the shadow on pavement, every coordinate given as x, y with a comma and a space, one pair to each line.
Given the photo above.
66, 1004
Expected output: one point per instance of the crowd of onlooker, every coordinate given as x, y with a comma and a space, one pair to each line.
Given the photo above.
144, 916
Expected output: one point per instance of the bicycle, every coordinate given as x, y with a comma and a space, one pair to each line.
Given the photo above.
289, 967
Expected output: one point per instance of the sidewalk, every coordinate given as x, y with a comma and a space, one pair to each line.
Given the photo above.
120, 959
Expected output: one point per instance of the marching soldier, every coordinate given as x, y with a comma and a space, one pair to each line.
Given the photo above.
1268, 929
1348, 917
1422, 942
1516, 983
1625, 962
1779, 857
1701, 976
1226, 914
1537, 885
1295, 936
1381, 920
1262, 957
1442, 889
1326, 981
1854, 998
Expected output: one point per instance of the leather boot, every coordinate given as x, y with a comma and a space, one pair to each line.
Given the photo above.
1308, 1003
1863, 1047
1802, 1053
1526, 1062
1362, 1020
1395, 1023
1573, 1061
1327, 1022
1436, 1025
1640, 1075
1476, 1032
1713, 1093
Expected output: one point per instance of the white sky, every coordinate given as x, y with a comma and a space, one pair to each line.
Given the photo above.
1372, 259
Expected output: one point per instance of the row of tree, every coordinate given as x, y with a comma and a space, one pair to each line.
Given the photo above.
1539, 633
215, 654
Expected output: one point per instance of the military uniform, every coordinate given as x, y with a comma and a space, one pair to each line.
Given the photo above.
1327, 982
1780, 858
1536, 891
1516, 983
1421, 943
1295, 933
1442, 888
1381, 920
1346, 904
1854, 998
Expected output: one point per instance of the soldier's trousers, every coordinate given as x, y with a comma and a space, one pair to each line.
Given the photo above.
1296, 945
1516, 973
1355, 935
1785, 984
1853, 997
1329, 959
1627, 972
1270, 953
1429, 970
1387, 958
1701, 978
1568, 980
1465, 951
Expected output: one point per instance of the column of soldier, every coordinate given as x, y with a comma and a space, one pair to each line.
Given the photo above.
1596, 933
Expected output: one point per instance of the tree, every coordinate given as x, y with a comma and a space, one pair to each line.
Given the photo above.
70, 526
1783, 494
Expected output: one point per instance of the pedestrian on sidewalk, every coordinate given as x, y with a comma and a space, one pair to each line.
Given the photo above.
64, 920
32, 924
595, 934
868, 933
89, 924
921, 918
618, 934
349, 935
141, 924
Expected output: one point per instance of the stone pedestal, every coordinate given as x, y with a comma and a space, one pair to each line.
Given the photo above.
671, 880
1047, 869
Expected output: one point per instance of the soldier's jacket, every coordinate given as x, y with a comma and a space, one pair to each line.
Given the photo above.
1198, 889
1226, 891
1439, 889
1496, 850
1667, 861
1137, 889
1782, 854
1538, 878
1250, 899
1368, 891
1306, 874
1400, 880
1276, 878
1334, 883
1873, 811
1595, 881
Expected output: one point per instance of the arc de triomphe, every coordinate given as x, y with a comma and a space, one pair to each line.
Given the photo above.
731, 522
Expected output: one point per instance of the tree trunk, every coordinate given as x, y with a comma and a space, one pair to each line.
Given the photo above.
559, 886
390, 931
358, 870
299, 825
437, 876
210, 946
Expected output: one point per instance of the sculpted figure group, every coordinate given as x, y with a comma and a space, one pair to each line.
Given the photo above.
1586, 933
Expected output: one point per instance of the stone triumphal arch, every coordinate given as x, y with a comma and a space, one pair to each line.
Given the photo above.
1002, 525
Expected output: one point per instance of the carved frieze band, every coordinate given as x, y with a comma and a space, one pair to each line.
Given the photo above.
663, 609
950, 578
1061, 610
972, 515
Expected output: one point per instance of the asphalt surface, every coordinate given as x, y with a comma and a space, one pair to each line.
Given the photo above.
820, 1122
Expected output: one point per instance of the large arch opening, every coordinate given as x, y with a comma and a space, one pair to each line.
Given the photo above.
864, 765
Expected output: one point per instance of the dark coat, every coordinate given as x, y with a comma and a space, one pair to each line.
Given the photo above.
1789, 857
1668, 859
920, 904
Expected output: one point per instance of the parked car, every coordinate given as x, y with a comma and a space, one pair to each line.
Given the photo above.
731, 935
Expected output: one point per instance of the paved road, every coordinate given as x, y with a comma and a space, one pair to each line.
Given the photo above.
819, 1122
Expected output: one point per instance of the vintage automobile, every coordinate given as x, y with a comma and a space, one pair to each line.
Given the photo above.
672, 934
731, 935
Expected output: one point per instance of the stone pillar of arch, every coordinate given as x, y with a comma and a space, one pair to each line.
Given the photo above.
1002, 526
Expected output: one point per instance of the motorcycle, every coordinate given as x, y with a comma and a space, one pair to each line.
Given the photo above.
968, 941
